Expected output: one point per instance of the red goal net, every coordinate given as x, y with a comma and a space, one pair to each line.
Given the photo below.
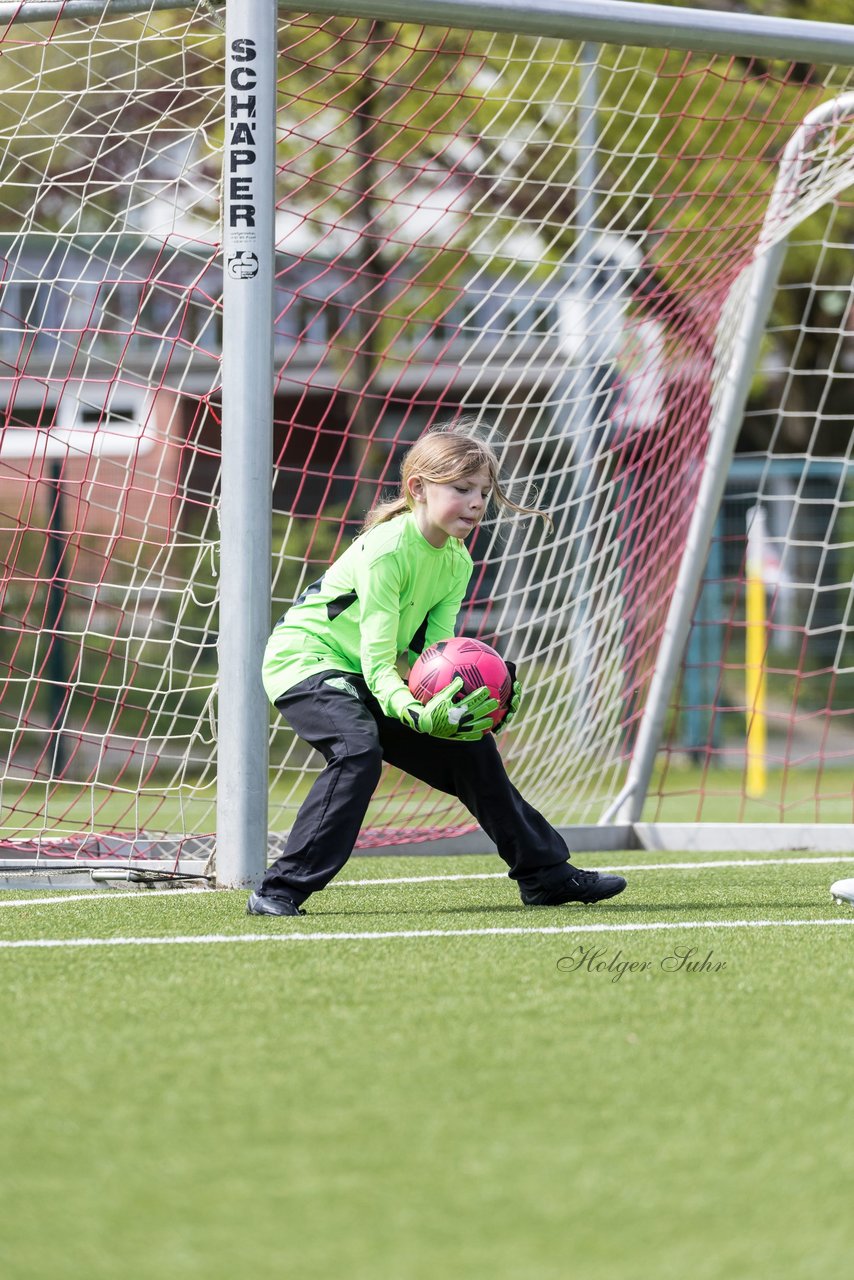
468, 223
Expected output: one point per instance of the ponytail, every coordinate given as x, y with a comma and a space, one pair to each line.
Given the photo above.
385, 511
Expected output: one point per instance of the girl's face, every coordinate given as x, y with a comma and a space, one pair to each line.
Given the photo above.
450, 510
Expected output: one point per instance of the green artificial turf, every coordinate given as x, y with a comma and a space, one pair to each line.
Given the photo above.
491, 1105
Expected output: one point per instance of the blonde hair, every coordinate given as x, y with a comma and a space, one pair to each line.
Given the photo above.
442, 455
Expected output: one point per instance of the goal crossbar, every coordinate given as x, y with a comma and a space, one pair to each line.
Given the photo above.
617, 21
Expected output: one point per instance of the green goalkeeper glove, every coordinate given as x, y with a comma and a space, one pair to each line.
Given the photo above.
464, 721
515, 699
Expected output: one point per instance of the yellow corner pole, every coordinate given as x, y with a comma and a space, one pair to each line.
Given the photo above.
756, 650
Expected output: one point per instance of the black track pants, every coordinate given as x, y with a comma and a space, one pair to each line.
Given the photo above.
343, 721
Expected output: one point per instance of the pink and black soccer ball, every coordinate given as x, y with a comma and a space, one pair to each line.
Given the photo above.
477, 663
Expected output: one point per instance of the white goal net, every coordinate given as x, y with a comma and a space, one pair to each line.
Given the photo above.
550, 237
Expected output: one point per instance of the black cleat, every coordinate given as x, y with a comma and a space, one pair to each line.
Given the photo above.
559, 885
261, 904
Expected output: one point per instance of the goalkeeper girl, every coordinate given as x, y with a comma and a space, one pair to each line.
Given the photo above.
330, 669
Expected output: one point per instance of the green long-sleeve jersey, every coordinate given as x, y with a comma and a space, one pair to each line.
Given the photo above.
390, 593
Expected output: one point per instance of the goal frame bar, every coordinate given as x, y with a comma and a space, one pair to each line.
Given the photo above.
614, 21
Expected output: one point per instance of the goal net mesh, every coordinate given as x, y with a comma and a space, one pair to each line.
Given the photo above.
541, 237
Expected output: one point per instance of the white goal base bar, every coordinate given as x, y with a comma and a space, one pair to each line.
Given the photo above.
747, 837
661, 837
669, 837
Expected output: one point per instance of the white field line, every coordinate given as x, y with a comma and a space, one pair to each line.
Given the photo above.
217, 939
82, 895
66, 895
